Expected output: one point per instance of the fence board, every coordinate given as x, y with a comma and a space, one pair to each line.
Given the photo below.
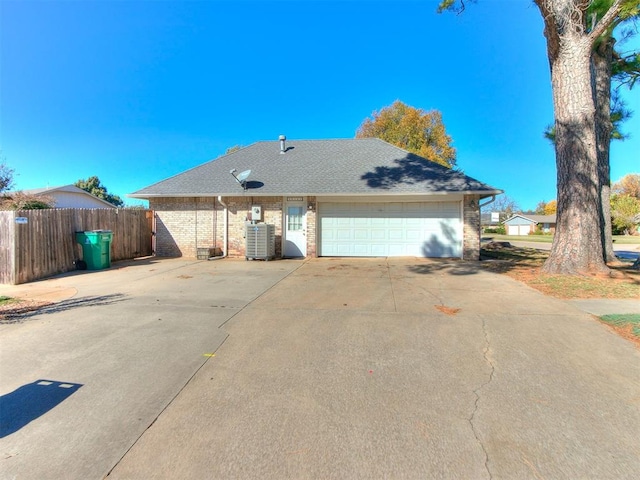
46, 244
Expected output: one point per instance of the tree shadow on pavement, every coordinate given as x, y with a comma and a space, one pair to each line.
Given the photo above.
449, 266
496, 258
24, 312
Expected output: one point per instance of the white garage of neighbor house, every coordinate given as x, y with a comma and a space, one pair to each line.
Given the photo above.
334, 198
520, 224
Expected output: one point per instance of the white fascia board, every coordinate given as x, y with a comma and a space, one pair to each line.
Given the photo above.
380, 197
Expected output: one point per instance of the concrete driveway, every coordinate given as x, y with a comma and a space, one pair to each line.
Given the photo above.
367, 368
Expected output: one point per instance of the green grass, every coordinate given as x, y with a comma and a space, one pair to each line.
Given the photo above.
617, 239
624, 321
523, 265
5, 300
518, 238
626, 239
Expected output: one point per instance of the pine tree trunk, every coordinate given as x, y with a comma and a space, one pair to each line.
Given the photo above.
601, 60
577, 246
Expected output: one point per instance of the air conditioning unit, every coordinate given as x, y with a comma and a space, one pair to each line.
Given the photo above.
260, 241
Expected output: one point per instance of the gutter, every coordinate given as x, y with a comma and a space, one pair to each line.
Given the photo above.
493, 199
372, 192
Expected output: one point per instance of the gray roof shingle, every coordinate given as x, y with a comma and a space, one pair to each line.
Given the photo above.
534, 218
366, 166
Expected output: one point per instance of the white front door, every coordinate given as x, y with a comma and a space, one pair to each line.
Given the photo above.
295, 229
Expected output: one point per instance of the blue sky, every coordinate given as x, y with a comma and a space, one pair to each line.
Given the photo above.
137, 91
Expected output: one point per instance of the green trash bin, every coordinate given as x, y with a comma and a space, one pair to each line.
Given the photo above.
96, 248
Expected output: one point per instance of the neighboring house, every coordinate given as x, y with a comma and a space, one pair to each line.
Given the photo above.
336, 198
70, 196
520, 224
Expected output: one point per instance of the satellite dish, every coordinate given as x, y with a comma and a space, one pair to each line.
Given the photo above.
241, 178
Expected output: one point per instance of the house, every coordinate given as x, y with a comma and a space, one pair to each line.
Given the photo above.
520, 224
69, 196
338, 198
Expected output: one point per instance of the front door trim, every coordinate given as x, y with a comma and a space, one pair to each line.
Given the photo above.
294, 227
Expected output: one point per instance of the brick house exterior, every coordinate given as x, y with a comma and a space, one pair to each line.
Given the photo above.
206, 208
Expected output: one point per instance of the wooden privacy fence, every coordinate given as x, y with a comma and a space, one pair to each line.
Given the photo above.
40, 243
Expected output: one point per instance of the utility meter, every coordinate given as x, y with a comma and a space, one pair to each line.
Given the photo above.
256, 213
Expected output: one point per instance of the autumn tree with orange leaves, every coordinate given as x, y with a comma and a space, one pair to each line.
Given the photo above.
628, 185
412, 129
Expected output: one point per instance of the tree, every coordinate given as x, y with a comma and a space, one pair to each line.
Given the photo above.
546, 208
551, 208
571, 36
26, 201
624, 212
94, 187
607, 64
540, 208
628, 185
505, 205
6, 177
412, 129
235, 148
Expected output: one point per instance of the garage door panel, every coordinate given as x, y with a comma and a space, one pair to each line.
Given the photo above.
431, 229
414, 235
343, 234
362, 250
360, 234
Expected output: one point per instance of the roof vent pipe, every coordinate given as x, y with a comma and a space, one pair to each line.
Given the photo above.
282, 138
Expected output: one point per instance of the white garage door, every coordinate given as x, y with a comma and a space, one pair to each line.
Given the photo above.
518, 229
418, 229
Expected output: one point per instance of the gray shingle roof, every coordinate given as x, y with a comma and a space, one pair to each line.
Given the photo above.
366, 166
533, 218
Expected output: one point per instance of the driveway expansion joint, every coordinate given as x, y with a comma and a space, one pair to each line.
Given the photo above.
476, 392
393, 295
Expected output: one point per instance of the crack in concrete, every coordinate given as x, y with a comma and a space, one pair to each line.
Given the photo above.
476, 392
426, 291
393, 295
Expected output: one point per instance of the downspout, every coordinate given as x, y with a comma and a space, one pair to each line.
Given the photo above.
493, 199
195, 200
225, 241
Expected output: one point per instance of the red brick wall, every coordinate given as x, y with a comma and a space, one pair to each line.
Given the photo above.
185, 224
240, 213
312, 239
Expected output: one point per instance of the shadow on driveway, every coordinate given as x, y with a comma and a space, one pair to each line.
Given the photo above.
21, 314
451, 267
31, 401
